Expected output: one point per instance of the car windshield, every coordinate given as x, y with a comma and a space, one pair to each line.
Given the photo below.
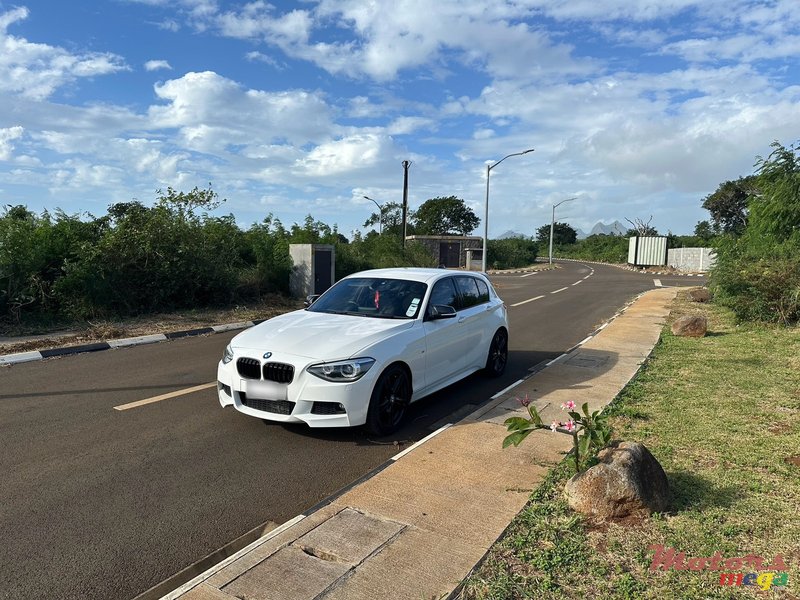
373, 297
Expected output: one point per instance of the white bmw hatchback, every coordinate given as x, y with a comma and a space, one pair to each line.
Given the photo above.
368, 347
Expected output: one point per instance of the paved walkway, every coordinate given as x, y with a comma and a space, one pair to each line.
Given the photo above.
416, 528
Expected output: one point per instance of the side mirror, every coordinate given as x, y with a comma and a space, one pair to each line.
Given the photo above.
310, 300
441, 311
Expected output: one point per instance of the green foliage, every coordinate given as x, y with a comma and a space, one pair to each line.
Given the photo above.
139, 259
563, 234
445, 216
33, 253
594, 433
380, 251
511, 253
390, 220
600, 247
757, 274
728, 205
704, 231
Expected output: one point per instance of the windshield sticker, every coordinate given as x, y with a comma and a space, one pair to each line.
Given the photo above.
412, 308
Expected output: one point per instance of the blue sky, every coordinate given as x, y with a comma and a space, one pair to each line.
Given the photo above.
635, 107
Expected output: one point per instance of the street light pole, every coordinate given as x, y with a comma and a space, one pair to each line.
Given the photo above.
553, 224
486, 205
380, 214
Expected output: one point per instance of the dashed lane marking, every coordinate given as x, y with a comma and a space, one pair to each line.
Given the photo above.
528, 300
174, 394
561, 290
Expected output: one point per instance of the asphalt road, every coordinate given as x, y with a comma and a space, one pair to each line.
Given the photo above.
103, 504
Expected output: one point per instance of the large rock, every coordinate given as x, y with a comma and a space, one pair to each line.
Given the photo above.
690, 326
627, 482
700, 295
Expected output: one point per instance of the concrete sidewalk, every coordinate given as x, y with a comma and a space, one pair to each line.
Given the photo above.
416, 528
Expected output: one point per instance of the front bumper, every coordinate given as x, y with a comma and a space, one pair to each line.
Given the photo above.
307, 399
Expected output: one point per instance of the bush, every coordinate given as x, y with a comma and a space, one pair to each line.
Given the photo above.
599, 247
511, 253
758, 274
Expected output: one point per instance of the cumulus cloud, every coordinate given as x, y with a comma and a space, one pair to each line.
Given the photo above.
156, 65
7, 136
35, 71
211, 111
345, 155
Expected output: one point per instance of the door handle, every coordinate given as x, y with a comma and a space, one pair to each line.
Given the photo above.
462, 319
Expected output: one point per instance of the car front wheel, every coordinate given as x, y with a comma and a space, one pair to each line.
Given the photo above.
498, 354
390, 398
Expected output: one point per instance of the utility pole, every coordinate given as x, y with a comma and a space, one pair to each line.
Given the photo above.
406, 164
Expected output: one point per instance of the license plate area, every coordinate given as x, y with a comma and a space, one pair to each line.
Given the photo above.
265, 390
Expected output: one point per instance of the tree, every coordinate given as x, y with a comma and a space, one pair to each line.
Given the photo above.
445, 216
642, 229
391, 217
777, 213
704, 231
728, 205
563, 234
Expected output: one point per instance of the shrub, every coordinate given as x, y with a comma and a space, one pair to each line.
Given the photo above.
511, 253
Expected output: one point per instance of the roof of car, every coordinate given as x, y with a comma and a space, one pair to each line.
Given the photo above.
411, 273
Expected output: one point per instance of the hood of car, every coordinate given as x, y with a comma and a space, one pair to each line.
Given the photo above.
316, 335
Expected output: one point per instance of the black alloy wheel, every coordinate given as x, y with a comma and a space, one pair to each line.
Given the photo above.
498, 354
389, 401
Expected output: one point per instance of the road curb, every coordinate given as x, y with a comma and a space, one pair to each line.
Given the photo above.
633, 269
34, 355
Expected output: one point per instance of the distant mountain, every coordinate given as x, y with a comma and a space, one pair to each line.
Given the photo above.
615, 228
511, 234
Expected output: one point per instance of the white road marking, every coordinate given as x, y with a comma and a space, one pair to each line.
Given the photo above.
504, 390
174, 394
561, 290
528, 274
528, 300
657, 283
419, 443
576, 283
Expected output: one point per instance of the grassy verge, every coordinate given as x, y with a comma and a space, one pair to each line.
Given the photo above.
722, 416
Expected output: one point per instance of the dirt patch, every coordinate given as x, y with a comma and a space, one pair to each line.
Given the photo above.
779, 428
793, 460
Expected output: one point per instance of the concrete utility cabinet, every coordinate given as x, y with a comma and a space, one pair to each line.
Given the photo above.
313, 270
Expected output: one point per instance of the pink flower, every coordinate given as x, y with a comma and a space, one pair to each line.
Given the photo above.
554, 425
524, 401
569, 425
569, 405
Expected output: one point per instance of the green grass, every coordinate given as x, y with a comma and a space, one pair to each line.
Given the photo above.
721, 414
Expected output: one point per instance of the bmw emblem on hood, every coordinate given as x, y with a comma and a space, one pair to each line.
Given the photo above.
267, 354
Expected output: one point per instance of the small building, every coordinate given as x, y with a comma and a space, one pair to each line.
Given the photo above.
313, 268
451, 251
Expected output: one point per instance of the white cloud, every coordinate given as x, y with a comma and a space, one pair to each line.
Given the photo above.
345, 155
211, 112
35, 71
7, 136
155, 65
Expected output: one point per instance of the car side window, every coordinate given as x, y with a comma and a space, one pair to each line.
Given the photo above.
444, 293
468, 289
483, 291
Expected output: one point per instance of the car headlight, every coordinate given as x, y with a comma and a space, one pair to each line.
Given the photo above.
227, 356
342, 370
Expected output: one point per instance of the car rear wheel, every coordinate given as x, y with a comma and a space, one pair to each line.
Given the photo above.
390, 398
498, 354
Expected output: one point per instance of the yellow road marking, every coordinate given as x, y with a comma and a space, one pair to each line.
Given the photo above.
190, 390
